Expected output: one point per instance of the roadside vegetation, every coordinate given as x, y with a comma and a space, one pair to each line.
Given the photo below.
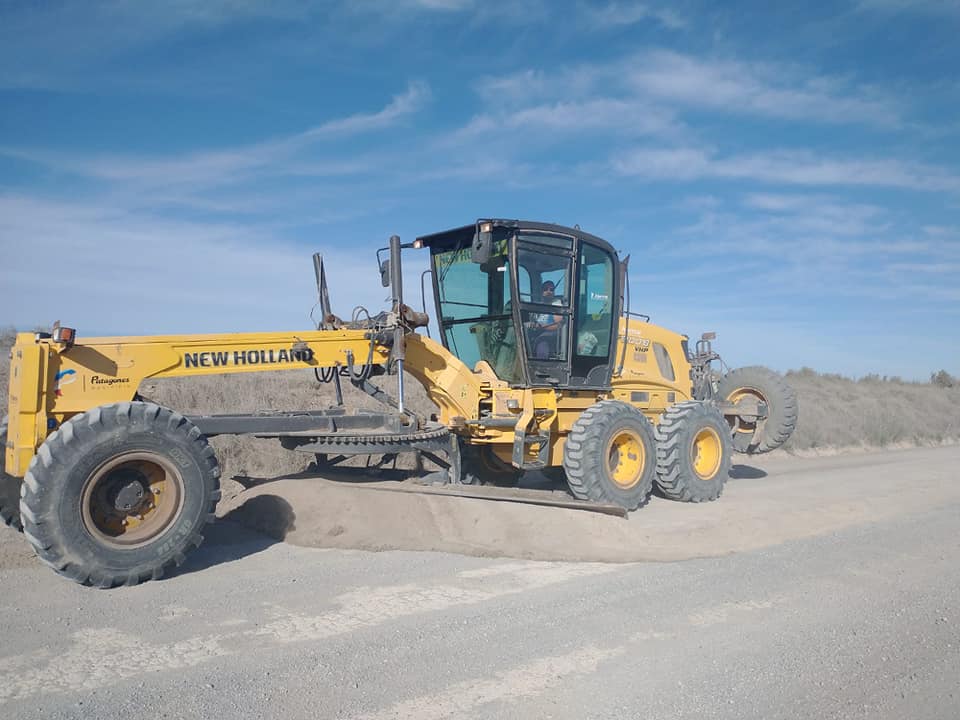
837, 413
7, 337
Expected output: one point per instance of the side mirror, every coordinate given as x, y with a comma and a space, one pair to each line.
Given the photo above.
482, 248
385, 273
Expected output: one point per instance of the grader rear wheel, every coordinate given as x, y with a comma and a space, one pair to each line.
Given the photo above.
610, 455
119, 493
9, 486
745, 387
693, 452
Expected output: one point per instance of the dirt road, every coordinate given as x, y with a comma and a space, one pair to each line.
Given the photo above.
814, 588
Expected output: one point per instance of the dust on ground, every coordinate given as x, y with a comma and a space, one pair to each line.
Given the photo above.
14, 550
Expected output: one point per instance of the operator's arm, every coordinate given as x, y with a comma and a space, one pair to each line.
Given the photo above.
555, 320
554, 324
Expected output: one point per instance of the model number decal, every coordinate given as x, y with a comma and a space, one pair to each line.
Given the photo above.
246, 357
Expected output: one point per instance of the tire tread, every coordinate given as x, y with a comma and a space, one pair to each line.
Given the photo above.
66, 446
582, 455
675, 477
781, 400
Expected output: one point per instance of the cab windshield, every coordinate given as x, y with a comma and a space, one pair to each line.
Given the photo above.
476, 317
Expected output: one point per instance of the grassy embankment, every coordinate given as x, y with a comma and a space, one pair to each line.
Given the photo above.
836, 413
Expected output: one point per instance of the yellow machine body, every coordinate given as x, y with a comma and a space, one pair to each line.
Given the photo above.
51, 382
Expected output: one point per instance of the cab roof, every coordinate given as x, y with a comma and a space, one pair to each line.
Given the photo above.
464, 235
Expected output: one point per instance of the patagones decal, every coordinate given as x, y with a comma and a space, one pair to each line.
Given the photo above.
246, 357
109, 381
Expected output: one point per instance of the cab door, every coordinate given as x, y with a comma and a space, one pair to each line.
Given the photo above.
596, 315
544, 275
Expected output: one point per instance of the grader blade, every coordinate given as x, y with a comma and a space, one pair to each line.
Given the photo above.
422, 486
545, 498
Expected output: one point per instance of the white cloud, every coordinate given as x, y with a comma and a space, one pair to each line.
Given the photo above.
818, 214
474, 12
522, 85
407, 103
784, 167
791, 251
620, 14
778, 283
139, 273
60, 45
229, 166
764, 89
734, 87
629, 117
668, 163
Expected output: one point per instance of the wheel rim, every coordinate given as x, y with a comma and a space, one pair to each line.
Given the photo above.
751, 395
132, 499
706, 453
626, 458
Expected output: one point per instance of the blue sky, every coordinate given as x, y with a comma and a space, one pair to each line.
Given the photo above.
786, 176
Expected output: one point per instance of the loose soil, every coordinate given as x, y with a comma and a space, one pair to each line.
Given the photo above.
766, 502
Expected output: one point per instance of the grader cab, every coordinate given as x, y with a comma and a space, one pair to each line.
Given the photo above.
541, 365
537, 304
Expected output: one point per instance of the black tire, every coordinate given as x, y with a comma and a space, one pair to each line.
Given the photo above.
610, 455
9, 486
750, 383
119, 493
693, 452
480, 466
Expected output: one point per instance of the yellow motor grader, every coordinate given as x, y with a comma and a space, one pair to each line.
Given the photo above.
540, 365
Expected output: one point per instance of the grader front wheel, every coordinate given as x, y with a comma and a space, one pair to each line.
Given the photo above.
132, 499
119, 493
610, 455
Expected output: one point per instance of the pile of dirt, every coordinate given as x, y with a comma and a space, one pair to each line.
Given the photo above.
762, 506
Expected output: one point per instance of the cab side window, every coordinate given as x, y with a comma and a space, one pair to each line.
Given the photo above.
595, 304
544, 265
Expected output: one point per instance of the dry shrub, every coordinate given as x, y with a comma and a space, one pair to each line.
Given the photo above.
7, 338
944, 379
837, 412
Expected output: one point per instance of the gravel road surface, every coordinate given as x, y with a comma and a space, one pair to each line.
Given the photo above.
832, 590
